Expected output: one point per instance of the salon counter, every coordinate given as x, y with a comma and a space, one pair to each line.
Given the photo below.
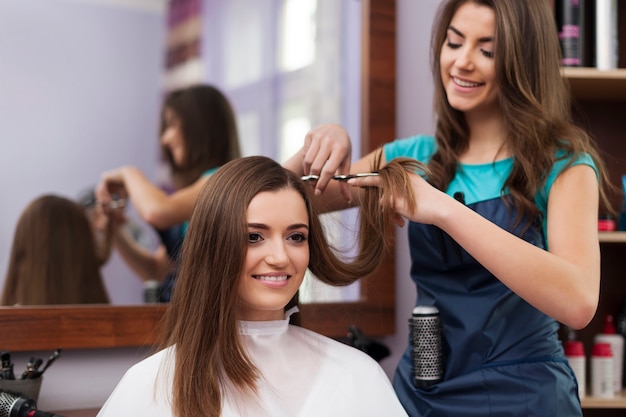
99, 344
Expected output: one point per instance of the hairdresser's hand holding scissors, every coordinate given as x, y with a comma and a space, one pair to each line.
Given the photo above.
327, 151
110, 188
111, 197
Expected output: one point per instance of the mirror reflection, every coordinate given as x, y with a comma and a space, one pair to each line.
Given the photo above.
84, 82
65, 272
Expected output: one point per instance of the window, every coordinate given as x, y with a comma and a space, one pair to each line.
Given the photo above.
288, 65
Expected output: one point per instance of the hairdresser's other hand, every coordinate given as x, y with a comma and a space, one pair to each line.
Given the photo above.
430, 203
327, 151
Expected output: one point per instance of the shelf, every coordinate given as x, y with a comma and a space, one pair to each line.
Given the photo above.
616, 237
618, 402
595, 85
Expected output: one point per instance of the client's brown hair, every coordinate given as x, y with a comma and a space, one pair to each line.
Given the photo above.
202, 317
54, 257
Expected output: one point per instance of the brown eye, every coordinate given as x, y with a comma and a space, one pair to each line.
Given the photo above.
254, 237
298, 237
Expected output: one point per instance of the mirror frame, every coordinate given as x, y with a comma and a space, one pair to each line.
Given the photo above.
89, 327
32, 328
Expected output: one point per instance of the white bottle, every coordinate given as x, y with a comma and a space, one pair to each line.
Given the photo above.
609, 335
606, 34
575, 353
602, 371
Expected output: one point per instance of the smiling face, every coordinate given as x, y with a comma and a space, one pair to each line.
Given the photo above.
277, 254
467, 64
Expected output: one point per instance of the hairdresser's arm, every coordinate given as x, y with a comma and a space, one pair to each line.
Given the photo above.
564, 282
147, 265
327, 151
156, 207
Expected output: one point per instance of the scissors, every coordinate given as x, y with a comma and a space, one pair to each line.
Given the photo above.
344, 177
114, 204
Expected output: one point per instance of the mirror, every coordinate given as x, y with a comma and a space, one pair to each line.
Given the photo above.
373, 312
80, 94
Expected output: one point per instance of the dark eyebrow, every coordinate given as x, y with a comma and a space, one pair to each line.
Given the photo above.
266, 227
481, 40
258, 226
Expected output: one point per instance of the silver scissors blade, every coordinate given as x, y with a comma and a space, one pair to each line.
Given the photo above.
350, 176
343, 177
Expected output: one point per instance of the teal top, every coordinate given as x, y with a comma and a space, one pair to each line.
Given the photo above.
481, 182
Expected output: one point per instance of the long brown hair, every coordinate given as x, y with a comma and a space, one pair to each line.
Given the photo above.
202, 318
54, 259
534, 98
208, 129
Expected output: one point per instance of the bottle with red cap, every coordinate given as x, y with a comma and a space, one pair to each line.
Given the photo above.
609, 335
602, 371
575, 353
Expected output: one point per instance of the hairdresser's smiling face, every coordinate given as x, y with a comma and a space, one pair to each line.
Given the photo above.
277, 256
172, 136
467, 64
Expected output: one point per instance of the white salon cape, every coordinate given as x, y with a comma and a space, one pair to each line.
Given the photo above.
303, 374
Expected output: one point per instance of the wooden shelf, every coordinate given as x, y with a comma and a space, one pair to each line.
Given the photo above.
594, 85
612, 403
615, 237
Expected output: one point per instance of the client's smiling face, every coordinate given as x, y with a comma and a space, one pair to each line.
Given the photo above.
277, 255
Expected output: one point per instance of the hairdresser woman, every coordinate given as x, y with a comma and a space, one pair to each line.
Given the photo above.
198, 135
504, 237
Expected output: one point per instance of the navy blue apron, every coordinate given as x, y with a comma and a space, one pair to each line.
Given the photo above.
502, 356
172, 238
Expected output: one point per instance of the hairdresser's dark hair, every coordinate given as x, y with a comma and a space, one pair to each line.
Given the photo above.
209, 130
534, 98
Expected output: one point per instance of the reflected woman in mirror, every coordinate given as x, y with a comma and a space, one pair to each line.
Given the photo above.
198, 135
54, 256
230, 344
